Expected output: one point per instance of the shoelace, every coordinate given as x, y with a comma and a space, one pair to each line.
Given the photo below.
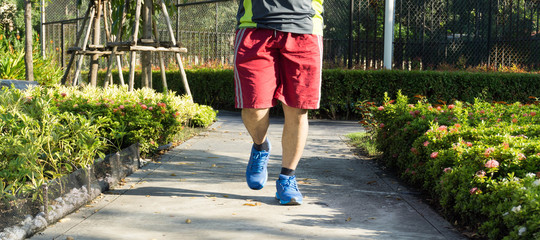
290, 183
258, 162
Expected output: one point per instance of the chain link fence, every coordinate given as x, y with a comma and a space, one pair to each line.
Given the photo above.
428, 34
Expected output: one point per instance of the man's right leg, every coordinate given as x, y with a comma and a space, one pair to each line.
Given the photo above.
257, 122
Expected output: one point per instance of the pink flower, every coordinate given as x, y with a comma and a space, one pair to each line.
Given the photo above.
475, 190
442, 128
121, 107
151, 108
488, 151
410, 105
413, 150
451, 106
480, 174
380, 108
469, 144
439, 108
76, 105
525, 115
492, 163
144, 106
434, 154
521, 156
381, 125
63, 94
447, 170
426, 143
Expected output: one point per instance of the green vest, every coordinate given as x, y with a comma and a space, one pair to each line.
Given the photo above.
295, 16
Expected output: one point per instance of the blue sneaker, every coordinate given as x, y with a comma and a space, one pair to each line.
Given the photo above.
287, 190
256, 172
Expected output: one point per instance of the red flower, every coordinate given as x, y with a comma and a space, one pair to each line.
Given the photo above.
144, 106
163, 111
533, 114
413, 150
514, 120
426, 143
451, 106
381, 125
63, 94
380, 108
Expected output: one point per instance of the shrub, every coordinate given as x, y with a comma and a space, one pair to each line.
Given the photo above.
49, 132
481, 160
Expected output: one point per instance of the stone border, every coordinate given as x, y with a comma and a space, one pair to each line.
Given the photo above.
19, 84
66, 194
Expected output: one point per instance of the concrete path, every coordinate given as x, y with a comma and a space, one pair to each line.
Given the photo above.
198, 191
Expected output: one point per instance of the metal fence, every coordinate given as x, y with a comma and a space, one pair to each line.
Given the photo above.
428, 34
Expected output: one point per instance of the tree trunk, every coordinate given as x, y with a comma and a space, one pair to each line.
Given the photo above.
146, 57
28, 59
94, 63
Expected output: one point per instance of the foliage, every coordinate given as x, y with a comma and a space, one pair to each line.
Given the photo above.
49, 132
341, 89
481, 161
12, 65
143, 115
37, 142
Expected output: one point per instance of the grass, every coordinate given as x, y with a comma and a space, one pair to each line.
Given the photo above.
365, 142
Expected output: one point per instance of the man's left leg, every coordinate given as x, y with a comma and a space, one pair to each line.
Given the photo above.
295, 131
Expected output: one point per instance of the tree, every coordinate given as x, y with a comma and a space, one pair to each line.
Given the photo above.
28, 59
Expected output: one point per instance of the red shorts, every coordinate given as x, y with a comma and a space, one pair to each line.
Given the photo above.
271, 65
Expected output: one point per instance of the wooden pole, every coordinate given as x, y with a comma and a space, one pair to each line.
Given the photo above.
113, 55
94, 63
133, 53
85, 43
79, 35
161, 62
146, 56
177, 55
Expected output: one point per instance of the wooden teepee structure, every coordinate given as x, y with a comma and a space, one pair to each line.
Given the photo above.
114, 47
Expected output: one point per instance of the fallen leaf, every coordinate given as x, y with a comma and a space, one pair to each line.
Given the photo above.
348, 219
226, 196
88, 205
70, 238
371, 182
213, 157
147, 195
188, 221
214, 165
96, 210
172, 174
185, 163
372, 218
303, 182
253, 204
64, 220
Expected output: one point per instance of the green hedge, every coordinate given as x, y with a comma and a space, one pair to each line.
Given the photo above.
343, 88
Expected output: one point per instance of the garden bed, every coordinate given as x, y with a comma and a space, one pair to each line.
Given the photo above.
49, 138
480, 162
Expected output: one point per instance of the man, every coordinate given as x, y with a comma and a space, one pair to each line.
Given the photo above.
278, 57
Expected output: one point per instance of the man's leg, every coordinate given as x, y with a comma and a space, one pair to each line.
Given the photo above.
293, 141
256, 122
295, 133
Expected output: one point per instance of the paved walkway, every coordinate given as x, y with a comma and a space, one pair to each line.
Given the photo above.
198, 191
